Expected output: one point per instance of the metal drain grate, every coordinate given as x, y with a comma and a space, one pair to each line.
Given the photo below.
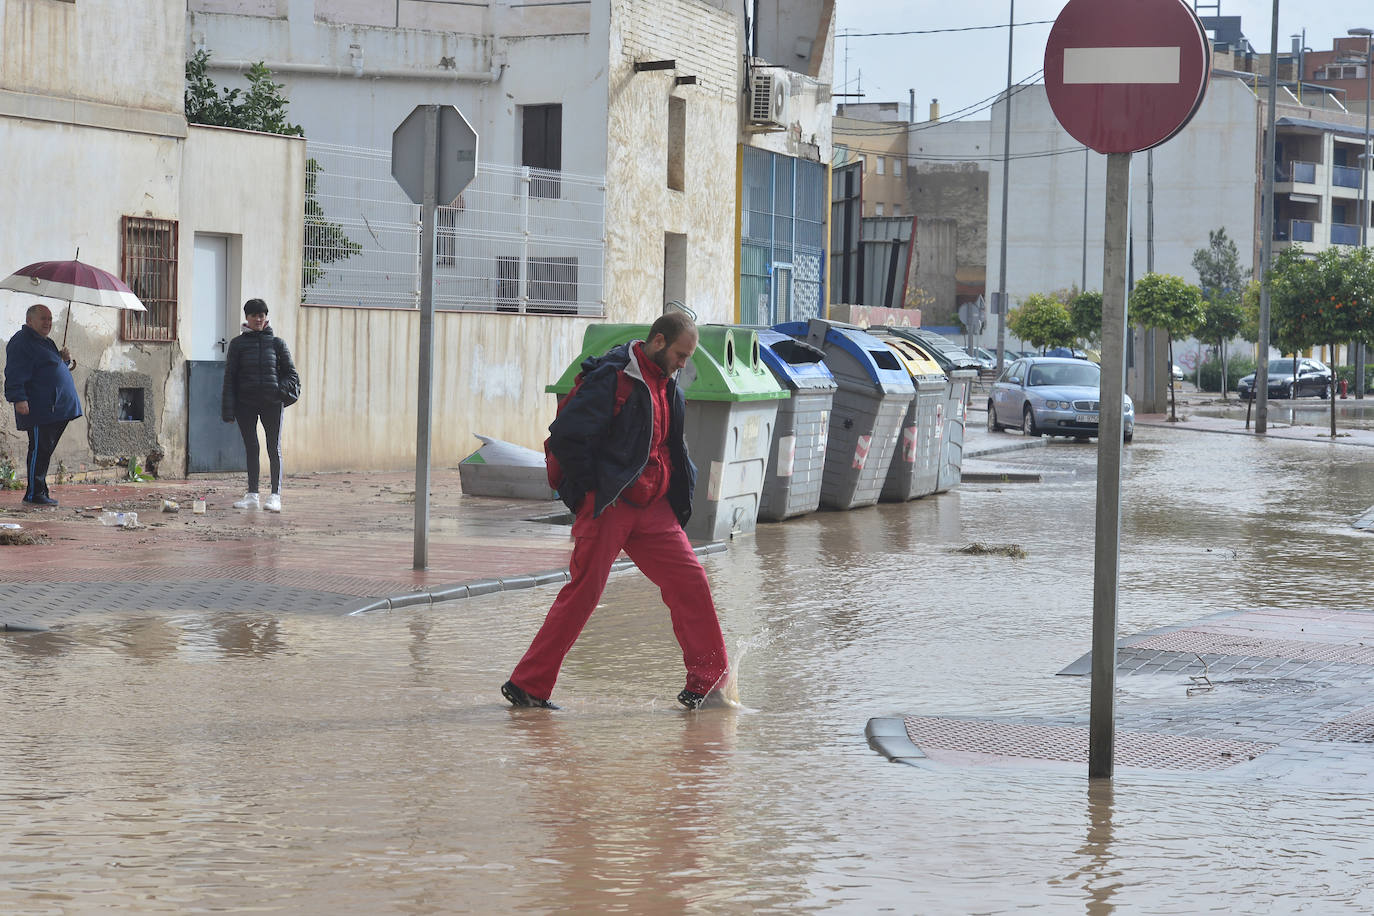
953, 740
1201, 642
1356, 728
1274, 687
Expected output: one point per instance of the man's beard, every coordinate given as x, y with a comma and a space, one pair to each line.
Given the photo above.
660, 359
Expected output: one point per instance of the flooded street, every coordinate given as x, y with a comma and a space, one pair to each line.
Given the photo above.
361, 765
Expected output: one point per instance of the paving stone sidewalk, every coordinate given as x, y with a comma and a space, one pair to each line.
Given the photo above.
1247, 692
344, 542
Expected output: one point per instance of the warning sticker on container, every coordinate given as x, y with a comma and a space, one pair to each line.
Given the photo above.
861, 452
713, 481
909, 444
939, 420
787, 455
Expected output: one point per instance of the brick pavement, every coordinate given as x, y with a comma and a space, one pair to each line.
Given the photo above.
345, 542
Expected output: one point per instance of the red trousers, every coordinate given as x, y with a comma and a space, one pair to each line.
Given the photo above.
657, 544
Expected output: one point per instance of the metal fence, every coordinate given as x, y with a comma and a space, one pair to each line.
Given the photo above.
516, 240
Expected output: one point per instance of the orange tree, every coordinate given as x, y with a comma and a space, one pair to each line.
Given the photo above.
1170, 304
1042, 321
1322, 301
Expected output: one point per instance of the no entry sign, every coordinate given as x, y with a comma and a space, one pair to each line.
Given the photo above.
1125, 75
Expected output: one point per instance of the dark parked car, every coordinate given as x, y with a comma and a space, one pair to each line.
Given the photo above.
1052, 396
1313, 378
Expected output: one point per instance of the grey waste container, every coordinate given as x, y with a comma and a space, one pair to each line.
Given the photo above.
871, 398
732, 407
960, 372
732, 404
915, 469
796, 463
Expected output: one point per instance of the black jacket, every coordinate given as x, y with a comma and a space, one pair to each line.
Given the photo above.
256, 363
606, 451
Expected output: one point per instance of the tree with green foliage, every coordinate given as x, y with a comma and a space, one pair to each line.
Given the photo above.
1085, 314
1322, 301
1220, 276
1170, 304
1042, 321
263, 108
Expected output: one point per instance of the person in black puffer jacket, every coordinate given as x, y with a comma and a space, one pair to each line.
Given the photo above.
257, 366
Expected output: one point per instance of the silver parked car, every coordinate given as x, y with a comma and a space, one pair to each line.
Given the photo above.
1052, 396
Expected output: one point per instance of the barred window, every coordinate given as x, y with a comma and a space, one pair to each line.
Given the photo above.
148, 264
446, 238
552, 285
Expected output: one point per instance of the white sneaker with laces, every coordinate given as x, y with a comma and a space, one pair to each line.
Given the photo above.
273, 503
249, 501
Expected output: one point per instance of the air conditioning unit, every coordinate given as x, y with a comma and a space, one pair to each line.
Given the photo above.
768, 97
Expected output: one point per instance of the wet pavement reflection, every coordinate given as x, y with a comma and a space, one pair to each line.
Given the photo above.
301, 763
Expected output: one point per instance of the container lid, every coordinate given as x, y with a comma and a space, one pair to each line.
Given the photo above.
795, 363
725, 367
945, 352
870, 355
915, 360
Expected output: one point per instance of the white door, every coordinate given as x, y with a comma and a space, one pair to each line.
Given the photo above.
210, 299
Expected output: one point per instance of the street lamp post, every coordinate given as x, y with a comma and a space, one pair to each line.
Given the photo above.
1365, 163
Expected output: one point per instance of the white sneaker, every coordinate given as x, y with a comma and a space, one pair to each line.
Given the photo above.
249, 501
273, 503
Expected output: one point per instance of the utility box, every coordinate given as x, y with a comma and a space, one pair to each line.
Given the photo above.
872, 395
796, 462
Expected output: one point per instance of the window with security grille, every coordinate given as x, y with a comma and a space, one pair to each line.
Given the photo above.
551, 285
148, 264
446, 238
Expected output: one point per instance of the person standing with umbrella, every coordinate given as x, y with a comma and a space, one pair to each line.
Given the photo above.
39, 383
259, 381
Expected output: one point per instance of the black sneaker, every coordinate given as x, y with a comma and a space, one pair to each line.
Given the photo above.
691, 700
42, 499
518, 697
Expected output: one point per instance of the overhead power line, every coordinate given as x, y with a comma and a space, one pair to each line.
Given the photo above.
890, 129
967, 28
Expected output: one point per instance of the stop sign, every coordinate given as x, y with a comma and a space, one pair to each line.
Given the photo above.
1125, 75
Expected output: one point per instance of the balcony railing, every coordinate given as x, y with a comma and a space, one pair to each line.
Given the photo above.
1297, 171
1294, 230
1345, 234
1343, 176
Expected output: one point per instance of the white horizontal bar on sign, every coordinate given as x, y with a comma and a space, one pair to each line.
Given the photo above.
1121, 65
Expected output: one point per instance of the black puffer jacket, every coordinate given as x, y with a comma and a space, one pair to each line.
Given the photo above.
257, 361
604, 450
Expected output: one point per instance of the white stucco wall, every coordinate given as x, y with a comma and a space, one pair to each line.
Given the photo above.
1204, 178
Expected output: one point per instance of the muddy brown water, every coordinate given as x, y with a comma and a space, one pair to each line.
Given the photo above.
311, 764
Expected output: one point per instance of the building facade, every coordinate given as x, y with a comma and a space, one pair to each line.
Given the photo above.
617, 141
99, 160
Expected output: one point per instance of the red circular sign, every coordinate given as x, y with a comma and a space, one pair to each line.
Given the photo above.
1125, 75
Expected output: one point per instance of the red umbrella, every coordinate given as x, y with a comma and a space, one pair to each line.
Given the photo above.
74, 281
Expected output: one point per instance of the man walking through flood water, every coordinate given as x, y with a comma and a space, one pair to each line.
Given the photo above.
620, 441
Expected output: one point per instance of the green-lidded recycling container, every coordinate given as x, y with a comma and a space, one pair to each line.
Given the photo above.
960, 371
872, 395
732, 405
915, 468
796, 462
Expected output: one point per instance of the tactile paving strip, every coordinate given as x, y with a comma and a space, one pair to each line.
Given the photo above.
1003, 742
1356, 728
1203, 642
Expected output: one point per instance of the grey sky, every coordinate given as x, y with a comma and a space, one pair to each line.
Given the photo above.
967, 68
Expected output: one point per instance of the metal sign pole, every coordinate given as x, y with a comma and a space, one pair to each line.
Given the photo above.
1106, 558
424, 413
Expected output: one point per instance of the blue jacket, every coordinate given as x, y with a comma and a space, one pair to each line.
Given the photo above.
604, 450
35, 372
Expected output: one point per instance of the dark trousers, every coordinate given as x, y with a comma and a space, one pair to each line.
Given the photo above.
42, 443
248, 418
